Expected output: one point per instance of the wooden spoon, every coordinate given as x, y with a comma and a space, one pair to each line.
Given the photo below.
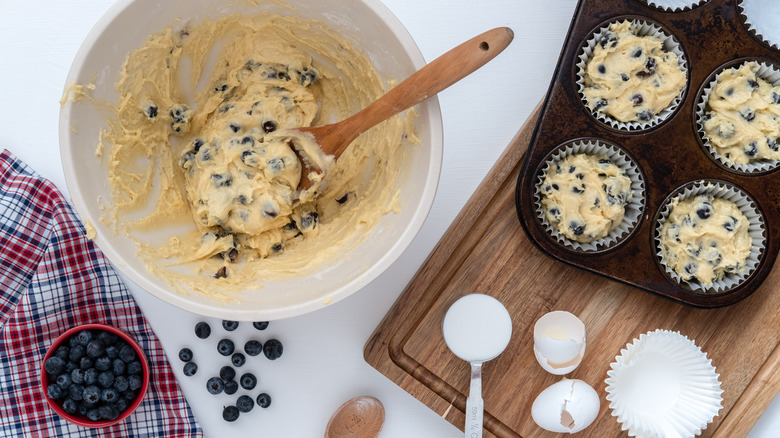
360, 417
442, 72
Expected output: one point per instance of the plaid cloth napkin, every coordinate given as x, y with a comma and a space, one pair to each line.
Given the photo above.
51, 279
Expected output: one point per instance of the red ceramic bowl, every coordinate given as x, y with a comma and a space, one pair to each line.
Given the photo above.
79, 419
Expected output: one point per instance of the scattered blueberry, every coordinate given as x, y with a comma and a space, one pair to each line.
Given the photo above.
202, 330
190, 368
273, 349
225, 347
230, 413
229, 325
253, 347
215, 385
238, 360
185, 355
263, 400
227, 373
248, 381
245, 403
231, 386
262, 325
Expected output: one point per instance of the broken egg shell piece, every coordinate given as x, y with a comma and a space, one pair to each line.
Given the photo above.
559, 342
568, 406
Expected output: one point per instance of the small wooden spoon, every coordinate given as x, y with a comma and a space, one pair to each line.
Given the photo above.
360, 417
442, 72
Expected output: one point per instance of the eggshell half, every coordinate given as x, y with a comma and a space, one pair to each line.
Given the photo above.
568, 406
559, 342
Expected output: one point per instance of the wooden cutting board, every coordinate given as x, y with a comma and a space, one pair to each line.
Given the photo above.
485, 250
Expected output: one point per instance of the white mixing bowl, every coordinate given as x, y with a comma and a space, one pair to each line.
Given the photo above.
372, 27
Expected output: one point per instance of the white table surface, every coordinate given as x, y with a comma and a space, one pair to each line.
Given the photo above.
323, 364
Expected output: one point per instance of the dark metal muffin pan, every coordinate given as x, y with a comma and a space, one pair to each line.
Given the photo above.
669, 155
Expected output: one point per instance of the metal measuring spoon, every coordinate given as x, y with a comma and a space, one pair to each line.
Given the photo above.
476, 328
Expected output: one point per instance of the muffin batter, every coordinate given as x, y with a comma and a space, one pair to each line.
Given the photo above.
584, 196
630, 77
743, 116
705, 238
199, 135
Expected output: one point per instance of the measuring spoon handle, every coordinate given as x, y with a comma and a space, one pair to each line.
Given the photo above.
474, 404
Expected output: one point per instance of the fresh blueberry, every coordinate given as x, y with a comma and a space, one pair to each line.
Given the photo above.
95, 348
77, 376
70, 366
63, 380
121, 384
238, 360
112, 352
103, 363
81, 409
134, 382
105, 379
93, 414
269, 126
118, 367
273, 349
108, 395
262, 325
76, 353
77, 392
135, 368
90, 376
231, 386
109, 412
54, 392
83, 337
62, 352
86, 363
129, 395
108, 338
185, 355
253, 347
245, 403
215, 385
263, 400
54, 365
127, 354
229, 325
248, 381
190, 368
69, 406
230, 413
227, 373
225, 347
122, 404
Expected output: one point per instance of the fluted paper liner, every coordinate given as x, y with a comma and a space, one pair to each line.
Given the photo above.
643, 28
633, 210
765, 71
674, 5
760, 17
756, 231
662, 385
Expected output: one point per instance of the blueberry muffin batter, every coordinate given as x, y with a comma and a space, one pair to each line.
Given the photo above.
743, 116
584, 197
705, 238
629, 77
199, 135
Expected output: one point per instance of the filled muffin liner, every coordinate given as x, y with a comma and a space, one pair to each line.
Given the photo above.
674, 5
760, 19
663, 384
633, 210
767, 72
756, 231
643, 28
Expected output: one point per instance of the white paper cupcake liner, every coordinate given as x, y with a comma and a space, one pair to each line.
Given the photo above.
634, 208
761, 18
662, 385
674, 5
756, 231
643, 28
765, 71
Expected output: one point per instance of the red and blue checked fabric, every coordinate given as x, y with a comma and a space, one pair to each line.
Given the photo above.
53, 278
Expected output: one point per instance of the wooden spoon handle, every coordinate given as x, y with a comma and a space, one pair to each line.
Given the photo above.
426, 82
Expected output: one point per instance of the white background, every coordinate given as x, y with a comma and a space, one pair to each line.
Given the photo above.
323, 362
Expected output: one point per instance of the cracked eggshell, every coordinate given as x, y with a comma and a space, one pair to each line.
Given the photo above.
568, 406
559, 342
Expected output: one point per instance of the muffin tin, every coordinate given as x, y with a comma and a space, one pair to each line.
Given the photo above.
670, 155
